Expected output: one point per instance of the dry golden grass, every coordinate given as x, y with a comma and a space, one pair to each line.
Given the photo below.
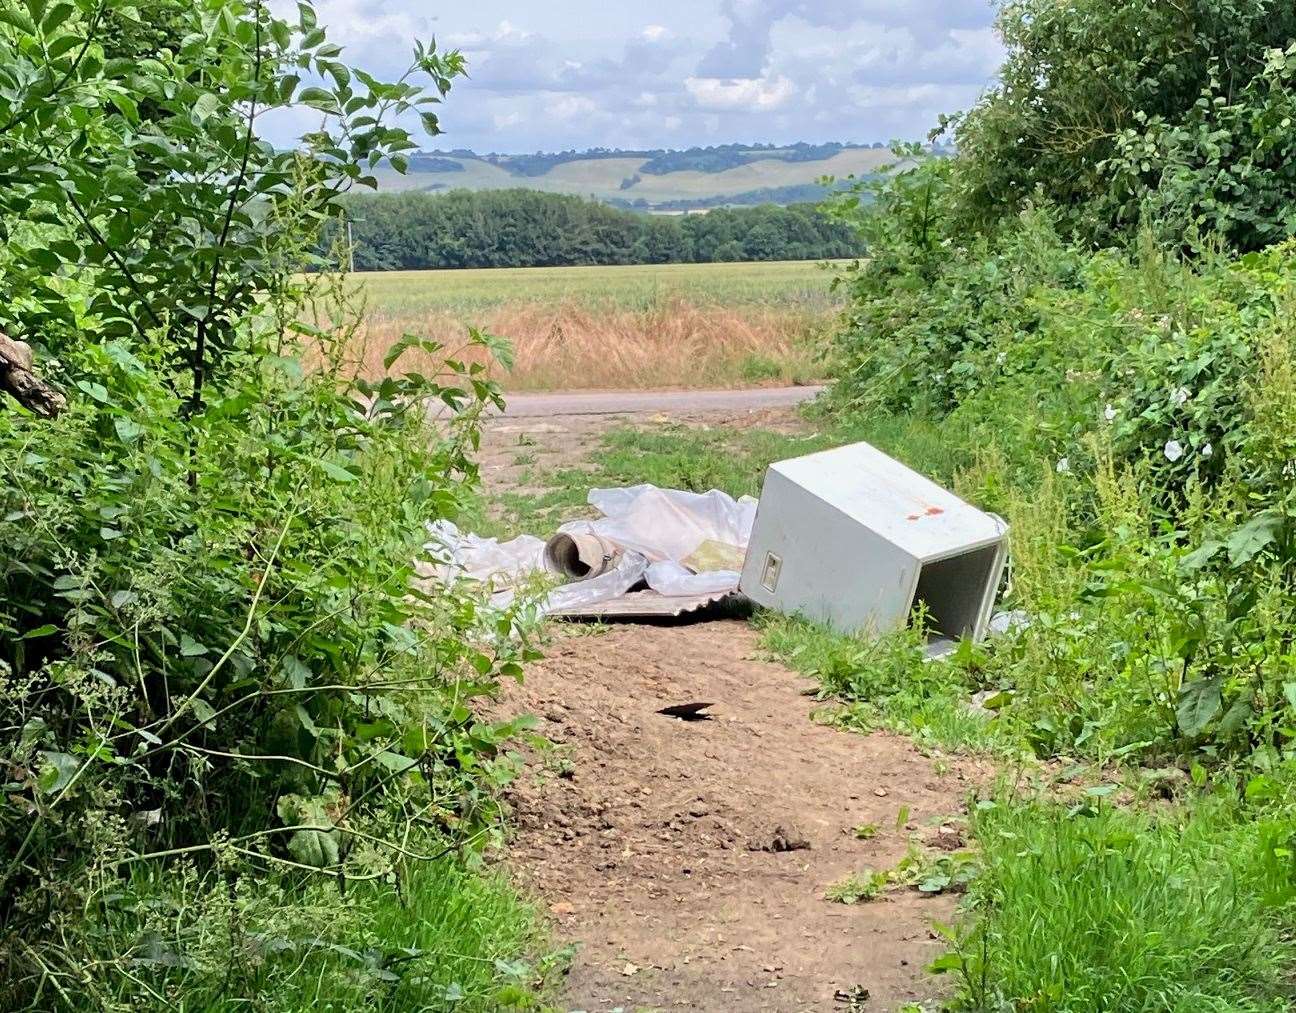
573, 345
572, 328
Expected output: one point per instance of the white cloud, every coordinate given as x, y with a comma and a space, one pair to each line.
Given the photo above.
593, 73
740, 93
569, 107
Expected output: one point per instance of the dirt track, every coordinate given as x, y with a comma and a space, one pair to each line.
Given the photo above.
641, 832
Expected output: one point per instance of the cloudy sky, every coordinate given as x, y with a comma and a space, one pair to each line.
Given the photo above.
675, 73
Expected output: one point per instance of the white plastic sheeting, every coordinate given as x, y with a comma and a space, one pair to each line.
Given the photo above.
655, 531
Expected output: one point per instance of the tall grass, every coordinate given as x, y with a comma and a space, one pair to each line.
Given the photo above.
450, 938
573, 345
1107, 909
693, 325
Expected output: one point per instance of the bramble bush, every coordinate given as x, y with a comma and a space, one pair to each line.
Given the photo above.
1091, 308
222, 693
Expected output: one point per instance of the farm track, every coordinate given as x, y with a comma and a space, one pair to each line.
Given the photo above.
675, 402
642, 833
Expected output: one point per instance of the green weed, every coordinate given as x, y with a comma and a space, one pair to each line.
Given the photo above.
858, 886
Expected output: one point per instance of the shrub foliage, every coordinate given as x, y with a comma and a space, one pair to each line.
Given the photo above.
212, 655
1093, 304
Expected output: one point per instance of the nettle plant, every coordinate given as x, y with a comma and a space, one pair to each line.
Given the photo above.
210, 645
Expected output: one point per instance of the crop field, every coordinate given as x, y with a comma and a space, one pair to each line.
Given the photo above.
677, 325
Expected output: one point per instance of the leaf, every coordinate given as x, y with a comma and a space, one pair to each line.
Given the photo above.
318, 98
316, 848
1202, 555
334, 471
404, 343
57, 771
306, 721
500, 348
1236, 717
1253, 537
1199, 702
945, 963
128, 431
206, 104
32, 731
298, 674
190, 648
96, 390
40, 631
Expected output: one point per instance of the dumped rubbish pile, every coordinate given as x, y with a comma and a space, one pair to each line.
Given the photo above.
672, 550
849, 537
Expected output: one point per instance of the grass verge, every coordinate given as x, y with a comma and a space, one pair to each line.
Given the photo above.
1099, 908
452, 937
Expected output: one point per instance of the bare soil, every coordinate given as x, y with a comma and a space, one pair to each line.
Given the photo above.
657, 843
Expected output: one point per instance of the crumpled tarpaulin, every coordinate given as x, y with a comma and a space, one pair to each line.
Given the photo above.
679, 543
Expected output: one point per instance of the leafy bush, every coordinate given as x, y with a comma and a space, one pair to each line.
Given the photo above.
1102, 106
1093, 301
214, 657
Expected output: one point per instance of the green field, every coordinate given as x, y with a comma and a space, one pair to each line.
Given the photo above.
794, 285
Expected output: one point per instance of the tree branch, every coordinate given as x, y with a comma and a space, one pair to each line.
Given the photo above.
18, 380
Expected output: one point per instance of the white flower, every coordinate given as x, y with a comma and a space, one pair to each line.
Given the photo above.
1001, 358
1064, 465
1207, 450
1173, 451
1109, 413
1181, 396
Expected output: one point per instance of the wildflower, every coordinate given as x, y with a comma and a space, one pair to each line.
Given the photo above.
1001, 358
1109, 413
1173, 451
1207, 450
1064, 465
1181, 396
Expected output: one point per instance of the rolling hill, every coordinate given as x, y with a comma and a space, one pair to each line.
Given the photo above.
656, 180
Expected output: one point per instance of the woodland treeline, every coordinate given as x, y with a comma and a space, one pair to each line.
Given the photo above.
523, 228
